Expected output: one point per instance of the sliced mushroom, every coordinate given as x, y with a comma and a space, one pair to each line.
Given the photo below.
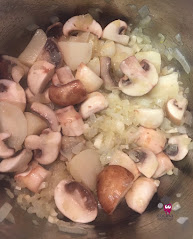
11, 68
47, 113
51, 53
35, 124
33, 49
75, 201
115, 31
175, 110
65, 75
82, 23
41, 98
149, 118
89, 79
71, 93
94, 65
140, 77
71, 121
70, 144
113, 183
94, 103
5, 151
39, 75
177, 147
145, 160
164, 165
46, 146
123, 160
55, 30
105, 63
90, 159
152, 139
13, 93
141, 193
13, 121
32, 178
18, 163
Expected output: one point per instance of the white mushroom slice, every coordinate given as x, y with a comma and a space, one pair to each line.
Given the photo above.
145, 160
39, 75
94, 103
115, 31
32, 178
75, 53
89, 79
149, 118
35, 124
152, 139
5, 152
64, 75
71, 121
140, 77
108, 49
75, 201
33, 49
94, 65
13, 121
18, 163
41, 98
105, 63
141, 193
175, 110
113, 183
164, 165
82, 23
46, 146
85, 166
13, 93
47, 113
123, 160
17, 73
152, 56
177, 147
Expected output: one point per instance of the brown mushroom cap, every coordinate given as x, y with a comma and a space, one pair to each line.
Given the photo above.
75, 201
113, 183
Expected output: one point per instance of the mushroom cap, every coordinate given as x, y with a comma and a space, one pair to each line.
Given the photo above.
71, 93
46, 146
145, 159
149, 118
17, 163
39, 75
141, 193
140, 77
181, 143
113, 183
13, 93
82, 23
114, 30
47, 113
55, 30
5, 151
75, 201
175, 110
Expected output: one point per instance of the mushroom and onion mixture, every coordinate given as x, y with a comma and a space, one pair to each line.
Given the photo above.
99, 120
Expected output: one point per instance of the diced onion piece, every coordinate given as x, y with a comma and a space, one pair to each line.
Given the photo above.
4, 211
179, 57
182, 220
144, 11
176, 206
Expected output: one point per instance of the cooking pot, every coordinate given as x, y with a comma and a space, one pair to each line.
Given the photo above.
169, 17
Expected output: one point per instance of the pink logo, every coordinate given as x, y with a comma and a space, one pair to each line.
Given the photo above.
167, 208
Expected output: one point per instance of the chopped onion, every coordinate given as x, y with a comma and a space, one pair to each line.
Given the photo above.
176, 171
182, 220
4, 211
70, 228
162, 37
176, 206
144, 11
182, 60
9, 193
178, 195
188, 119
179, 39
145, 21
10, 218
35, 222
160, 205
182, 129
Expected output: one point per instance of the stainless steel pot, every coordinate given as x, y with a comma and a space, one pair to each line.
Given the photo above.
169, 17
